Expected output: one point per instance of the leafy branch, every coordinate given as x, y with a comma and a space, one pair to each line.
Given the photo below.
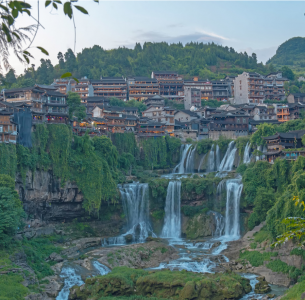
13, 38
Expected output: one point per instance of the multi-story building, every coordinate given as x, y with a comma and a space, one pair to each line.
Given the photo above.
205, 86
274, 86
110, 87
141, 88
221, 90
92, 102
154, 101
192, 98
296, 98
83, 88
282, 112
149, 128
170, 85
249, 88
229, 124
8, 130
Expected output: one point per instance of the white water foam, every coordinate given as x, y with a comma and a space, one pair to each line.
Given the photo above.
70, 279
103, 270
172, 219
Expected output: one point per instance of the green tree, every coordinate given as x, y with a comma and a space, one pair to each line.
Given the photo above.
294, 89
302, 89
263, 130
10, 77
76, 109
10, 209
287, 72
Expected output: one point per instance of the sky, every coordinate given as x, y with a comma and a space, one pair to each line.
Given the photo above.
252, 26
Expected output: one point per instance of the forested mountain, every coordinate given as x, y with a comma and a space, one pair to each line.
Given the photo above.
291, 53
206, 60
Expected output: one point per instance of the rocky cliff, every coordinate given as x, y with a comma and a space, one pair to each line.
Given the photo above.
45, 199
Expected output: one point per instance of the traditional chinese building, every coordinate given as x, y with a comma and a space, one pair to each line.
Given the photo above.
141, 88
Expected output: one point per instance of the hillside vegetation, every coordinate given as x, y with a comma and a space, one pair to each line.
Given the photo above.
291, 53
206, 60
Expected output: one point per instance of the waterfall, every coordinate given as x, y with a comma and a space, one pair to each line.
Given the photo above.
103, 270
220, 188
234, 189
135, 201
219, 222
201, 162
172, 219
70, 279
247, 158
211, 160
228, 160
217, 158
183, 154
258, 157
189, 165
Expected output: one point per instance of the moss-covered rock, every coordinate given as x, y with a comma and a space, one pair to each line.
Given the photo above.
198, 226
166, 284
262, 287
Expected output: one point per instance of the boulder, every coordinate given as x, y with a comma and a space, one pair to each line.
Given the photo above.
262, 287
55, 257
128, 238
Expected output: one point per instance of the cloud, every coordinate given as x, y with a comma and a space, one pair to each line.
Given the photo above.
156, 36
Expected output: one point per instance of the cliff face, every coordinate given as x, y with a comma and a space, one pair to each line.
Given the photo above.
44, 199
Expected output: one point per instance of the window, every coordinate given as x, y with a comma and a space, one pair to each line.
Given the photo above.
238, 120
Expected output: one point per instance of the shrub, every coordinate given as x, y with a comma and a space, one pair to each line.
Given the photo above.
256, 258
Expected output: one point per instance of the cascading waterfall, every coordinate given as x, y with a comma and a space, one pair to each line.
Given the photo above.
135, 199
103, 270
219, 222
172, 219
70, 279
183, 154
201, 162
258, 157
211, 160
217, 158
234, 189
189, 165
247, 158
228, 160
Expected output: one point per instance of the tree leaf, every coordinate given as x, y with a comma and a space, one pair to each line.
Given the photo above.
10, 20
25, 4
43, 50
55, 5
97, 1
7, 32
81, 9
57, 1
15, 13
27, 11
48, 2
68, 74
68, 9
76, 79
27, 53
16, 35
4, 8
26, 58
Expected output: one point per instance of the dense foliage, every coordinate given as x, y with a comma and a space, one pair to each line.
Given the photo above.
10, 209
266, 129
205, 60
290, 53
158, 152
131, 103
